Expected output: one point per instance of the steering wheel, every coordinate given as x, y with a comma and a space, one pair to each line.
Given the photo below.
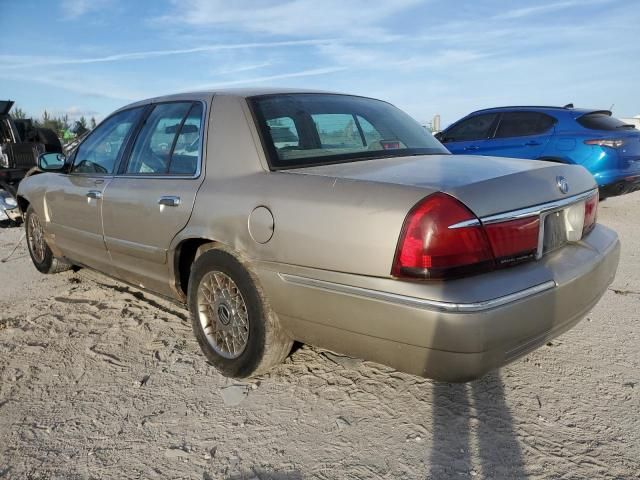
87, 166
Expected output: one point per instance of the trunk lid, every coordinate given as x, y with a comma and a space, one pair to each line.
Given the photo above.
487, 185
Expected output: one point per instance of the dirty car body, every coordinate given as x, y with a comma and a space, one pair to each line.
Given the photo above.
356, 229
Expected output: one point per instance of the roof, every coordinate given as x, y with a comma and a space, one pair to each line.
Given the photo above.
230, 92
577, 112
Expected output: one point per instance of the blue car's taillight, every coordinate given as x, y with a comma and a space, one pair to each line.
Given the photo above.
606, 142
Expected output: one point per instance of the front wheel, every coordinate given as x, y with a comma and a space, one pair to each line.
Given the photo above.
41, 255
231, 318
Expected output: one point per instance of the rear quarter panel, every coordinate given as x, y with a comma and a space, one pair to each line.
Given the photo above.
319, 222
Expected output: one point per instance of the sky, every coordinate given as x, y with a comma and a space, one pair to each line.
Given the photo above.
90, 57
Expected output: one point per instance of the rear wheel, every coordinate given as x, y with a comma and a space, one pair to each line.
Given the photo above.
41, 255
232, 321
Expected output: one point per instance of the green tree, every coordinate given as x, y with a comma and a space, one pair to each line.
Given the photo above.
18, 113
93, 123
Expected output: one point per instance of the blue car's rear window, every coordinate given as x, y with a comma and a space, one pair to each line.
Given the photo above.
602, 121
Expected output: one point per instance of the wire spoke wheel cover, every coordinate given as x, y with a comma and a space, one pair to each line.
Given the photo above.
222, 313
36, 239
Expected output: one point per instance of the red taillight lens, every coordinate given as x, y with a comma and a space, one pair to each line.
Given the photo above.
514, 241
429, 248
442, 238
590, 214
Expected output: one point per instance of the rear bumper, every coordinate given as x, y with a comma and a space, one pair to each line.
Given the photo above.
449, 338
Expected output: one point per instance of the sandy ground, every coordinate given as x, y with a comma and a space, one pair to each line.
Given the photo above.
101, 381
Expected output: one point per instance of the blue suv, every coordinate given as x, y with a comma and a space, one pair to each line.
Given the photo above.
604, 145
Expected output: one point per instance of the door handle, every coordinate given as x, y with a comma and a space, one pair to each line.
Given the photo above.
472, 147
169, 201
94, 194
532, 143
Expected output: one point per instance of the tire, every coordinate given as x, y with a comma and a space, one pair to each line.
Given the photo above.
236, 310
41, 255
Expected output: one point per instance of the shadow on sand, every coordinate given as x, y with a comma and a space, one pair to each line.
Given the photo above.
264, 475
473, 431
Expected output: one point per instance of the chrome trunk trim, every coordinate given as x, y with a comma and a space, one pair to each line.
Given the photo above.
537, 209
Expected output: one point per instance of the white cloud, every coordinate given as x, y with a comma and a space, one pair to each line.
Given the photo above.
282, 76
72, 9
546, 8
15, 61
79, 85
229, 70
290, 17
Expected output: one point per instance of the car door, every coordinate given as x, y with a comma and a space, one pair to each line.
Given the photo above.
74, 200
468, 135
152, 197
520, 134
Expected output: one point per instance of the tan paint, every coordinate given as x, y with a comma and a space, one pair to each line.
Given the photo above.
339, 224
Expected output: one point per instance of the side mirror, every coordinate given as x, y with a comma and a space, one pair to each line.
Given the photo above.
52, 162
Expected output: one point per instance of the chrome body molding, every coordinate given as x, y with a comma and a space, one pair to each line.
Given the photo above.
416, 302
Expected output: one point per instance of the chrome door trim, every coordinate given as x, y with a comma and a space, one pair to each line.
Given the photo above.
416, 302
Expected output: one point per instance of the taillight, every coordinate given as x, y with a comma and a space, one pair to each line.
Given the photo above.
590, 214
429, 248
442, 238
514, 241
606, 142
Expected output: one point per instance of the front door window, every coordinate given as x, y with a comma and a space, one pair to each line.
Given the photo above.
99, 153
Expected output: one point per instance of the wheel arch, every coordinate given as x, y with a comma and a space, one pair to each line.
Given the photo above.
184, 254
23, 204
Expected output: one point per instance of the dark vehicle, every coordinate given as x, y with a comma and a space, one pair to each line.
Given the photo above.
606, 146
20, 145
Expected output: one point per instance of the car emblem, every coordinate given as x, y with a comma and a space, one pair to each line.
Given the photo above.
562, 183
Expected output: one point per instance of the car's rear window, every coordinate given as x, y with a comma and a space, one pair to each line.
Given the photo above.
311, 129
602, 121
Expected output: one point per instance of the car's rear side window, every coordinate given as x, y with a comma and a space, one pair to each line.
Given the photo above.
477, 127
522, 124
169, 141
186, 149
310, 129
602, 121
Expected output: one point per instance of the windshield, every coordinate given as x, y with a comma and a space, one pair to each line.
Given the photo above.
311, 129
